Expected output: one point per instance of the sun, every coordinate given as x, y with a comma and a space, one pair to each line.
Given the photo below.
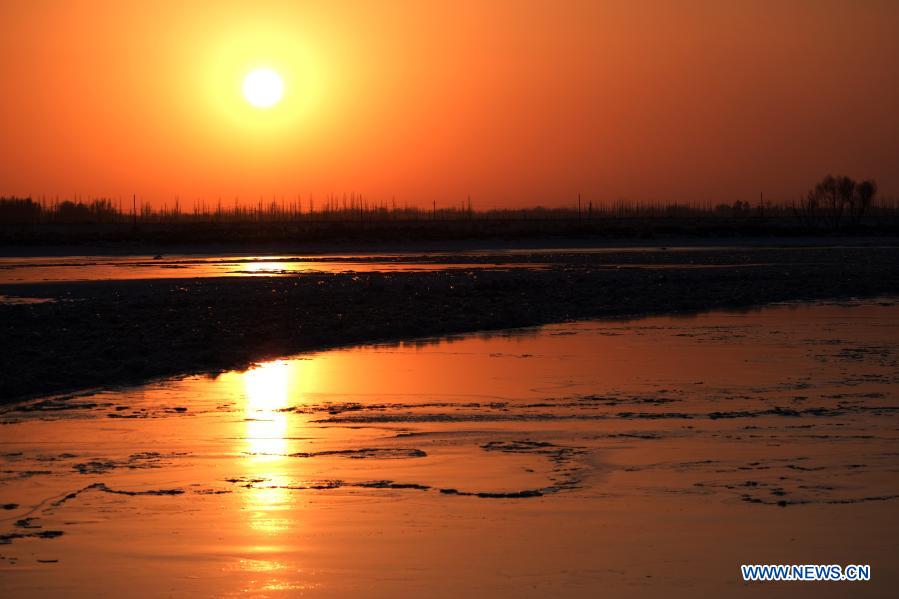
263, 88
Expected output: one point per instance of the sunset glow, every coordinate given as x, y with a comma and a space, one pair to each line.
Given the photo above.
404, 298
516, 103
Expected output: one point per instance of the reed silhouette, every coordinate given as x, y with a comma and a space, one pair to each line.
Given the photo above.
835, 204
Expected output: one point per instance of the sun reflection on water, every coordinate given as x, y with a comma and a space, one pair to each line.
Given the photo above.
267, 392
262, 268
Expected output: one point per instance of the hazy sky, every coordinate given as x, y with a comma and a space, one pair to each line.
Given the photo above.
517, 102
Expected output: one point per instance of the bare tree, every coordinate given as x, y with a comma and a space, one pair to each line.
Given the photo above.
834, 198
861, 200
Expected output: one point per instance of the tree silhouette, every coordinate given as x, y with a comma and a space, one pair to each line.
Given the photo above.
834, 198
864, 195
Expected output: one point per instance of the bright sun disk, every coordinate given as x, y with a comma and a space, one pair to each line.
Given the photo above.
263, 88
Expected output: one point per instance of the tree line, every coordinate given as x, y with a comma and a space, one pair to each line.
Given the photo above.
834, 203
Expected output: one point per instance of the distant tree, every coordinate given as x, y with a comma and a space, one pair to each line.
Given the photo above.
19, 211
834, 198
70, 212
861, 199
738, 208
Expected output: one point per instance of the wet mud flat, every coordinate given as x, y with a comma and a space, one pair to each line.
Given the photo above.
92, 334
643, 458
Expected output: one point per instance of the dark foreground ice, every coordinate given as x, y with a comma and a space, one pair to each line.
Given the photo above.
601, 458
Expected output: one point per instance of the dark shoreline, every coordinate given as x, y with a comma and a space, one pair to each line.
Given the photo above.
536, 244
108, 333
351, 227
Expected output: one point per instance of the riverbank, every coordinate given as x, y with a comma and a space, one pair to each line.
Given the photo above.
104, 333
311, 248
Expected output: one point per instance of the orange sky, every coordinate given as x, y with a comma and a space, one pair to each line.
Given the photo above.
517, 102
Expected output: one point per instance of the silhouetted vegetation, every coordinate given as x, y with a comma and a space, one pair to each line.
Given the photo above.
20, 211
835, 204
25, 211
836, 201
